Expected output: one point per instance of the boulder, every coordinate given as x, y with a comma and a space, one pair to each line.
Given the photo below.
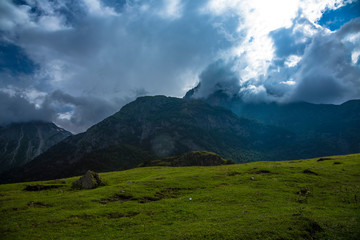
89, 181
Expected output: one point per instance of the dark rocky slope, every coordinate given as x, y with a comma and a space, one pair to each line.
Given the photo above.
22, 142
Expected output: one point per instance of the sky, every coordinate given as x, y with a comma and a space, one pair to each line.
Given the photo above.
77, 62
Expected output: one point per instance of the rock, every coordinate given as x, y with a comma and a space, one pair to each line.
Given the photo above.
252, 178
89, 181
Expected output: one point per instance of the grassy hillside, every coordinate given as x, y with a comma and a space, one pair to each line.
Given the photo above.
302, 199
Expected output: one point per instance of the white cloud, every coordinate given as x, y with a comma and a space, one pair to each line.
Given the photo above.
65, 116
11, 16
313, 9
270, 58
292, 60
355, 57
257, 18
289, 82
95, 7
172, 9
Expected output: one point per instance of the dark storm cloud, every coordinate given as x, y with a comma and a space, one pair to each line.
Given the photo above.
85, 111
100, 56
87, 58
217, 76
15, 108
323, 70
327, 73
103, 54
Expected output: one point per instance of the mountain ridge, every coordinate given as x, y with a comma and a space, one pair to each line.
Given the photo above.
328, 123
159, 127
22, 142
156, 127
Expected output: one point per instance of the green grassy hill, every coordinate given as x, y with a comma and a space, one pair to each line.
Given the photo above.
302, 199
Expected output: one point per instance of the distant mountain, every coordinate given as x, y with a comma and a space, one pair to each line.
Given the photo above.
156, 127
332, 129
22, 142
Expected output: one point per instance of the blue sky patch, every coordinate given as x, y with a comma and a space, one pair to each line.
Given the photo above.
14, 60
334, 19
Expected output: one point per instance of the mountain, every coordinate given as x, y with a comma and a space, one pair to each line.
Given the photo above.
21, 142
156, 127
331, 129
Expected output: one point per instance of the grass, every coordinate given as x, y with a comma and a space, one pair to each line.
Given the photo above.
260, 200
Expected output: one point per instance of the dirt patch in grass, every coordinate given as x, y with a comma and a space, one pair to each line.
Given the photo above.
160, 178
147, 199
308, 171
117, 197
165, 193
233, 173
169, 193
115, 215
310, 226
303, 194
57, 181
126, 197
82, 216
38, 204
263, 172
324, 159
40, 187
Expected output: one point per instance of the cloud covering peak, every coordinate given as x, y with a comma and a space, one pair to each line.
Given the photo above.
77, 62
298, 60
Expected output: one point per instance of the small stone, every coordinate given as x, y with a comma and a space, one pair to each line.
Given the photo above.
252, 178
